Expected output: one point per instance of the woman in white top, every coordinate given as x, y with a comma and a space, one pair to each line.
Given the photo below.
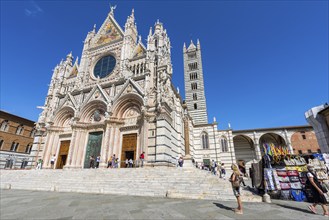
317, 191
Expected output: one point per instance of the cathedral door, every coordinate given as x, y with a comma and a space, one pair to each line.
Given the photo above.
62, 155
129, 145
94, 146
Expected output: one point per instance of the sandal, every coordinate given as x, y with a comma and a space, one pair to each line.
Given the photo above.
239, 212
326, 214
310, 207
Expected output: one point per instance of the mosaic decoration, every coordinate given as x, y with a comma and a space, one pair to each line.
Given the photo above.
111, 33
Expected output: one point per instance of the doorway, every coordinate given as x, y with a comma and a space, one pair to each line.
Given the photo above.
129, 145
94, 146
62, 155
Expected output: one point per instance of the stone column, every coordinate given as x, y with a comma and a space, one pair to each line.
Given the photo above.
47, 150
82, 147
105, 146
76, 149
291, 151
257, 147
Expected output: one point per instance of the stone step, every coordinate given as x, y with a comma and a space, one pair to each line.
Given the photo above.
170, 182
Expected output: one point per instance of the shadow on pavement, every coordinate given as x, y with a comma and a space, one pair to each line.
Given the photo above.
223, 206
294, 208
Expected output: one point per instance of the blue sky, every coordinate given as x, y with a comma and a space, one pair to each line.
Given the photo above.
265, 62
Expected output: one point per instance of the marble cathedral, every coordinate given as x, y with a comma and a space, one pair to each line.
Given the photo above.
119, 99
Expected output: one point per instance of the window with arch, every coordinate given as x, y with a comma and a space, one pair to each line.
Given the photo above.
195, 97
194, 86
1, 143
205, 140
193, 76
14, 146
4, 125
195, 106
28, 148
19, 129
32, 133
193, 66
223, 142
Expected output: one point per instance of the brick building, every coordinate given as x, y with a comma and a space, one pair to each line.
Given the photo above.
16, 140
305, 142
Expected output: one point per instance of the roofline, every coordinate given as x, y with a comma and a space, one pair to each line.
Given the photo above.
275, 128
325, 109
5, 112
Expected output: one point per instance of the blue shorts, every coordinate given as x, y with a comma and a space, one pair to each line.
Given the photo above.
236, 191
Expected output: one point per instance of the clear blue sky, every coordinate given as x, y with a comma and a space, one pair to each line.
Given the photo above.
265, 62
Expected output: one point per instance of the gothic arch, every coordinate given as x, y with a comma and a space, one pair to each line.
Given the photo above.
63, 117
244, 148
204, 137
273, 138
126, 102
89, 110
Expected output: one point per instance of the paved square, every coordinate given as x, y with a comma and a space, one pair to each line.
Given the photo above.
21, 204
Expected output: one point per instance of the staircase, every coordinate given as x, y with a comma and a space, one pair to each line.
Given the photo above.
168, 182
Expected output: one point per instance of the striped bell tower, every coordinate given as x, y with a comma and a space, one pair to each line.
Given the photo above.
194, 85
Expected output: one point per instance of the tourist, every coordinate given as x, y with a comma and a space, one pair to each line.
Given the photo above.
317, 191
91, 161
235, 180
113, 161
127, 163
98, 160
141, 157
181, 162
109, 162
177, 160
222, 171
131, 163
242, 173
39, 166
52, 161
116, 162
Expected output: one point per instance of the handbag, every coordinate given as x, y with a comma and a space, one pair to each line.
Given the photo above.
281, 172
292, 173
294, 179
298, 195
285, 186
296, 185
284, 179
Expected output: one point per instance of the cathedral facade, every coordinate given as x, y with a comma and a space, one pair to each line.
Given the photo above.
119, 99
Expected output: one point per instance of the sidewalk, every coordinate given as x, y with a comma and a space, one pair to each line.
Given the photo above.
19, 204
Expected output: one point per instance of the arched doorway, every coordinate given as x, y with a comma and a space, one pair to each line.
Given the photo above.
271, 139
244, 150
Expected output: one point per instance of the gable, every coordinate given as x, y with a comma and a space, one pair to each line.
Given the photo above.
74, 72
68, 101
139, 51
110, 31
97, 93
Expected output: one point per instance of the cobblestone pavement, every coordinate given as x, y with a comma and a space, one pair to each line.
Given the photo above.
20, 204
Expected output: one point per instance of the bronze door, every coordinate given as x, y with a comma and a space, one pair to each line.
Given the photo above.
62, 155
129, 145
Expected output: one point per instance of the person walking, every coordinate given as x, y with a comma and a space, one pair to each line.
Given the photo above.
109, 162
98, 160
222, 171
235, 181
141, 157
91, 161
39, 166
317, 190
127, 163
52, 161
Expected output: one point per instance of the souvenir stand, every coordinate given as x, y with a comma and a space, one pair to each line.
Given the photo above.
284, 174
